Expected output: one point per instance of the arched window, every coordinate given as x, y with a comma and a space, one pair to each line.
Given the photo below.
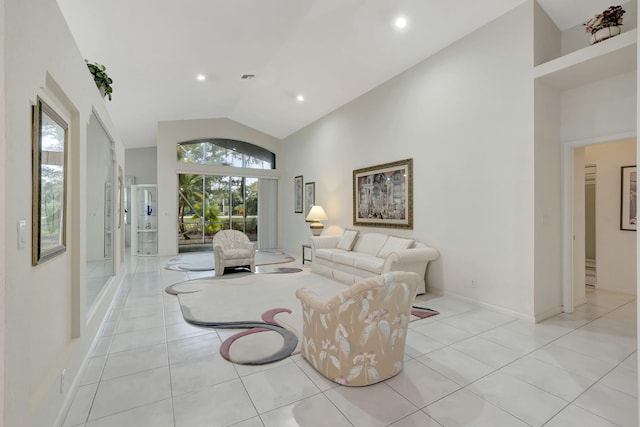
225, 152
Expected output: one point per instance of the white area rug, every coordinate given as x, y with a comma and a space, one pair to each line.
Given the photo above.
243, 300
247, 298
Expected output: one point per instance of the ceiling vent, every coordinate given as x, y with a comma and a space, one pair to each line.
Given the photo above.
247, 76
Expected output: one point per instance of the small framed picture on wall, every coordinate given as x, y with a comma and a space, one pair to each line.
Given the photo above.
297, 194
310, 196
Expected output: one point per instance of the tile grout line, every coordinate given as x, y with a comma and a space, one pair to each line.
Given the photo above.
519, 358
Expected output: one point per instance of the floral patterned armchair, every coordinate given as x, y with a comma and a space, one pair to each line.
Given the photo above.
357, 337
232, 248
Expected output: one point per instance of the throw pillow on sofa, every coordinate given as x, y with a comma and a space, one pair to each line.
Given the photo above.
348, 239
393, 244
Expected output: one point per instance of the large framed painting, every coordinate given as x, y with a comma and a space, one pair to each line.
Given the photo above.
628, 199
383, 195
297, 194
309, 197
49, 183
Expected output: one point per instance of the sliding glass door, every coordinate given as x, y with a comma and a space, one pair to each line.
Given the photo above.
210, 203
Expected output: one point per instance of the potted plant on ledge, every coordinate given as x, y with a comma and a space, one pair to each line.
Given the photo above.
605, 25
103, 81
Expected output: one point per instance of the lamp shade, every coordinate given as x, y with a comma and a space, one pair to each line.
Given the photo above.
317, 214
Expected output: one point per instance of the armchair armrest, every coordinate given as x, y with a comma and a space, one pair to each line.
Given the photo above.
312, 300
250, 245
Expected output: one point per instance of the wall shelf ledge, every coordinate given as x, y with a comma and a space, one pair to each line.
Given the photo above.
611, 57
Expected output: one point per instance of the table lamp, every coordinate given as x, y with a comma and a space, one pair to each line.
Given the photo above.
316, 214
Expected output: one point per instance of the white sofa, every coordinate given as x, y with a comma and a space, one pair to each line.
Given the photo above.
352, 256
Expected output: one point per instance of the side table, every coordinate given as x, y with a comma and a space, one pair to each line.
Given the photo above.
304, 258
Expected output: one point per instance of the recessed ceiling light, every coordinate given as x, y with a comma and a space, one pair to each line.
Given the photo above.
300, 98
400, 22
201, 77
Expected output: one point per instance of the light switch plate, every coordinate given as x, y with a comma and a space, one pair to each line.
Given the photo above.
22, 233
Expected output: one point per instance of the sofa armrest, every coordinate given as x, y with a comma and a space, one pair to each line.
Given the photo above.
415, 260
409, 256
324, 242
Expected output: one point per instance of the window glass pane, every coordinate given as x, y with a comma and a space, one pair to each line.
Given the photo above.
251, 208
225, 152
210, 203
217, 208
190, 207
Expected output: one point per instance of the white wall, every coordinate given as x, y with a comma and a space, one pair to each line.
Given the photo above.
615, 248
473, 161
47, 329
172, 132
3, 207
637, 163
600, 109
547, 214
142, 163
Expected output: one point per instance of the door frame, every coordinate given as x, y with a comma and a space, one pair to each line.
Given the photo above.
568, 208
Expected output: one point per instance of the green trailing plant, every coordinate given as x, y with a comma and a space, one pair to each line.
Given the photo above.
100, 76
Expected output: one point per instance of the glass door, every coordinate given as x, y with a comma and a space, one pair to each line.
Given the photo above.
218, 205
251, 208
210, 203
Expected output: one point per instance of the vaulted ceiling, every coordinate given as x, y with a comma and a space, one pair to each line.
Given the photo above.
329, 51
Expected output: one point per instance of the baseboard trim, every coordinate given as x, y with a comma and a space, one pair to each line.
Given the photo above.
580, 302
516, 314
549, 313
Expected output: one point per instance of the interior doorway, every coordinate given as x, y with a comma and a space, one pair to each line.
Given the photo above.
615, 248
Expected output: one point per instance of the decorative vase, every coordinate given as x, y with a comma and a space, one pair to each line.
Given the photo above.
605, 33
103, 90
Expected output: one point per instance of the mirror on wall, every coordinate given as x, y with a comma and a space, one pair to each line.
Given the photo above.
101, 198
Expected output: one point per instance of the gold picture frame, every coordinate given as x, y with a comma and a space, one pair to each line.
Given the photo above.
383, 195
49, 206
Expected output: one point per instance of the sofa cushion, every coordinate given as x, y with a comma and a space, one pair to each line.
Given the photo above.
371, 264
348, 239
324, 254
393, 244
236, 253
347, 257
370, 243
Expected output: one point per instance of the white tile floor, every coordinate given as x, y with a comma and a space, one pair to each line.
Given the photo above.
468, 366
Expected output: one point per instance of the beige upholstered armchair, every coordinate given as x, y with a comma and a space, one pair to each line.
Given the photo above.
357, 337
232, 248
